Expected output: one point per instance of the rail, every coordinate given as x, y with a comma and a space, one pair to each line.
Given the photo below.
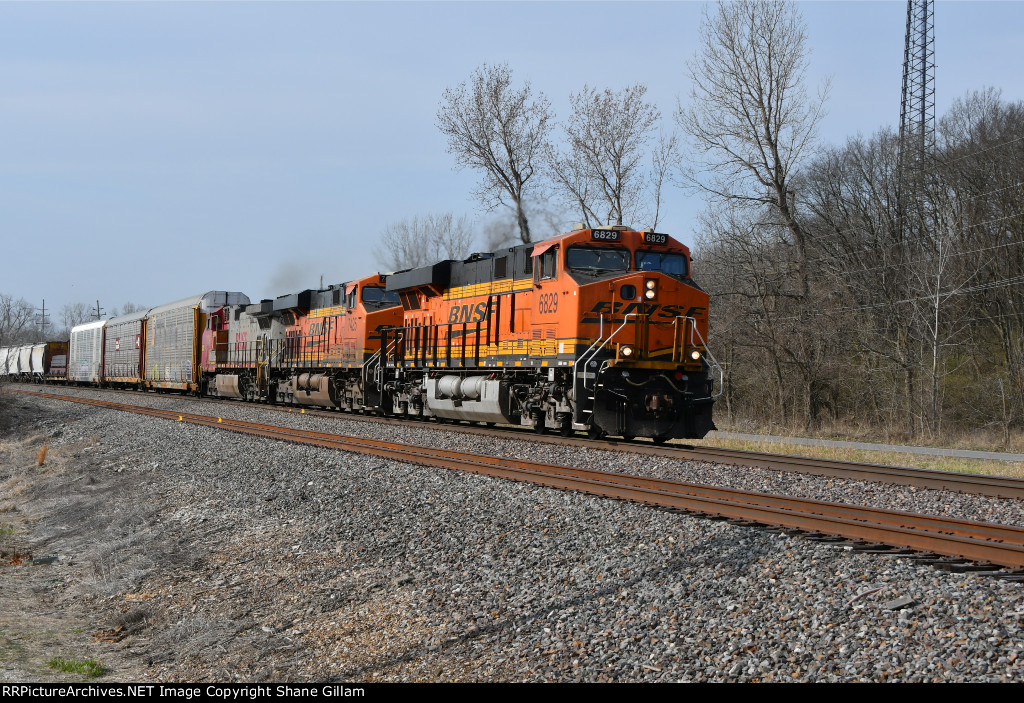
987, 543
971, 483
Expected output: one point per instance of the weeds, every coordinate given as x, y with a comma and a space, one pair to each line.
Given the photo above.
90, 668
990, 467
982, 439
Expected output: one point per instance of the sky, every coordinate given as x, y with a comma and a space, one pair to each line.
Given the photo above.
150, 151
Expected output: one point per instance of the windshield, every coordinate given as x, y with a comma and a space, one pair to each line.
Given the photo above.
597, 258
375, 294
661, 261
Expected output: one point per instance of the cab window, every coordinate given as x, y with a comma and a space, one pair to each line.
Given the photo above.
547, 267
597, 258
665, 262
378, 295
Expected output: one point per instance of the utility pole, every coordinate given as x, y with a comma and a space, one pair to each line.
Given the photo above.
43, 322
98, 314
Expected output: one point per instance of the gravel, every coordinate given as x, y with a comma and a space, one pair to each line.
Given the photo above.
261, 560
835, 490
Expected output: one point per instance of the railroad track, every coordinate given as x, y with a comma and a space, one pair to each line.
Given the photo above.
984, 543
978, 484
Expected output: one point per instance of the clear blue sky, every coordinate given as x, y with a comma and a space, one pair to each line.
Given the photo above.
151, 151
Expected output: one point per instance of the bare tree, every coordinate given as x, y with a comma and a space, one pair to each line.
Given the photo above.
751, 122
420, 241
130, 307
750, 117
608, 174
72, 314
499, 130
16, 316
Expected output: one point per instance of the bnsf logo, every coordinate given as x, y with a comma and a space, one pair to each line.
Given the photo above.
607, 309
467, 313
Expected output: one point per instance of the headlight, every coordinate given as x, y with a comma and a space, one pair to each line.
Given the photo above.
651, 285
649, 294
695, 355
626, 351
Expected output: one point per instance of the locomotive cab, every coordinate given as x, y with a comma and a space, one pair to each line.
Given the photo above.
646, 369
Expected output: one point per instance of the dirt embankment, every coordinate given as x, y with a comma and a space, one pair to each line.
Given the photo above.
94, 565
56, 591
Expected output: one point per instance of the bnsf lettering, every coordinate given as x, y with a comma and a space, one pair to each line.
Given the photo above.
547, 302
609, 309
467, 313
316, 328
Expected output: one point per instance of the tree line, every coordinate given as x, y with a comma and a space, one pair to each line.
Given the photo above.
20, 320
903, 305
848, 283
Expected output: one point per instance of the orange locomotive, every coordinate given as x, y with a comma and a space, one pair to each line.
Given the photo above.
600, 330
309, 348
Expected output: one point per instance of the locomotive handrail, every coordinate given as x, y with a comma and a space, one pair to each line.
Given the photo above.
378, 374
371, 367
593, 349
714, 365
277, 351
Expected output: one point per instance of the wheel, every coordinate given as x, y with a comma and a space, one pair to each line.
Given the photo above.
659, 440
567, 431
595, 432
540, 427
628, 437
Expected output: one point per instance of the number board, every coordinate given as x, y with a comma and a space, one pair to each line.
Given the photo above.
605, 235
655, 238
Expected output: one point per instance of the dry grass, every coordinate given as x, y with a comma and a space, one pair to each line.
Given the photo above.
922, 461
984, 440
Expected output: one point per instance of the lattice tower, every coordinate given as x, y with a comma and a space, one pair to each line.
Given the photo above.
917, 108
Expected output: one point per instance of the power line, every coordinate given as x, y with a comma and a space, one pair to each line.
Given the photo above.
982, 151
991, 285
957, 252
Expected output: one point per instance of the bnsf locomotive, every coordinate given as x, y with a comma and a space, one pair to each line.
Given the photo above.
597, 330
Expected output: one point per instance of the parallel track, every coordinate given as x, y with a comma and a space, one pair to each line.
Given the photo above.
975, 541
979, 484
